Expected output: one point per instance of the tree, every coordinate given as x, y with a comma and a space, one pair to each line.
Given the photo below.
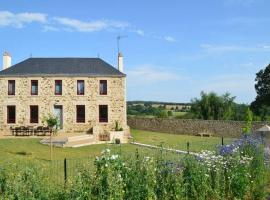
262, 87
239, 112
264, 112
162, 114
248, 125
212, 106
52, 122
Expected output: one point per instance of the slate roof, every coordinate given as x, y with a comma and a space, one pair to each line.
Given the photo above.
82, 67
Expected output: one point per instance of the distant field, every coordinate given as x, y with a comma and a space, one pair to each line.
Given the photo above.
179, 113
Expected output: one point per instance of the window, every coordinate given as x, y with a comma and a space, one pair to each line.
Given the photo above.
80, 87
103, 113
33, 114
11, 87
58, 87
11, 114
80, 114
34, 87
103, 87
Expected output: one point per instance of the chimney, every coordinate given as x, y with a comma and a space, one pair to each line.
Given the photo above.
120, 62
6, 60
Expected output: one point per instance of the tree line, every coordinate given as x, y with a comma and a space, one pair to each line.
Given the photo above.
211, 106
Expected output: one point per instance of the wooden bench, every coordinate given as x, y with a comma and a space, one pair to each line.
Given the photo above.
205, 134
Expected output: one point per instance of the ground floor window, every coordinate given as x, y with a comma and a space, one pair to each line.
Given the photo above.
80, 110
33, 114
103, 113
11, 114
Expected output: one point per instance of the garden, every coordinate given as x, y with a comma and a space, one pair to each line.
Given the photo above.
238, 169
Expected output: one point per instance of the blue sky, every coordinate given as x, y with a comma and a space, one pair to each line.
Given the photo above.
174, 49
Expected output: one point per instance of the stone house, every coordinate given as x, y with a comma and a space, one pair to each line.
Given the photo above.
88, 95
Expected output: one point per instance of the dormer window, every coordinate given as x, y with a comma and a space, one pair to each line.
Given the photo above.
103, 87
80, 87
11, 87
34, 87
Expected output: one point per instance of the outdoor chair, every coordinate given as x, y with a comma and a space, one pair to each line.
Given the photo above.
39, 131
31, 130
12, 129
18, 131
24, 131
47, 130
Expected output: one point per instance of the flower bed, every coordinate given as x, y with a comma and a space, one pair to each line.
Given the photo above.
236, 171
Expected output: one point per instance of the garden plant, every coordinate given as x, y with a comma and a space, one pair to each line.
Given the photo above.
235, 171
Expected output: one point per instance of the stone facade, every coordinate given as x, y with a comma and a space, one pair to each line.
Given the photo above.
46, 100
191, 127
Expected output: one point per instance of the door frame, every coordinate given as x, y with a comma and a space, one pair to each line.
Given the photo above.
60, 107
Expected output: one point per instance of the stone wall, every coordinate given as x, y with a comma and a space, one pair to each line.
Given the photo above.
46, 99
190, 126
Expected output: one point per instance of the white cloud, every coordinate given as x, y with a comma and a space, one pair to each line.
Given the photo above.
240, 85
82, 26
169, 39
148, 73
230, 48
51, 23
20, 19
50, 28
140, 32
264, 46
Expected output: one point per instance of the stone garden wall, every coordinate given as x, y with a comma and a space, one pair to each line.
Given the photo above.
190, 126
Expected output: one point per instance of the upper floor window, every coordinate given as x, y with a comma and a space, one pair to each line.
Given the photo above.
80, 113
11, 87
58, 87
80, 87
34, 87
11, 114
103, 87
33, 114
103, 113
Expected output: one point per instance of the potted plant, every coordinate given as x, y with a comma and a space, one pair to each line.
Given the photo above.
117, 135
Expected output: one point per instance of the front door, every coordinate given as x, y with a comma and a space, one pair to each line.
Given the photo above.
58, 112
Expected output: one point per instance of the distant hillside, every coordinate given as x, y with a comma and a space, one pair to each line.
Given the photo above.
158, 103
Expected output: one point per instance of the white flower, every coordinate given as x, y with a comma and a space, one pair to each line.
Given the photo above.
113, 157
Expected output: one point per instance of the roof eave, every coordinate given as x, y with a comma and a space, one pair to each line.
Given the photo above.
63, 75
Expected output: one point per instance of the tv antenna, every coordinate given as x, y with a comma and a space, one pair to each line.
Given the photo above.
119, 37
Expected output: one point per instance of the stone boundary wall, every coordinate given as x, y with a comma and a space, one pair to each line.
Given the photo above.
191, 126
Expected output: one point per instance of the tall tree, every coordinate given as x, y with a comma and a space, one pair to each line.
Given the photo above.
212, 106
262, 87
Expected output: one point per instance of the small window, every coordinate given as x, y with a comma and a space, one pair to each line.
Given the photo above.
11, 87
11, 114
33, 114
34, 87
80, 87
103, 113
80, 114
103, 87
58, 87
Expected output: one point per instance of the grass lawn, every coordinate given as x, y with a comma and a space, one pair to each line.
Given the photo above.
31, 149
178, 141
